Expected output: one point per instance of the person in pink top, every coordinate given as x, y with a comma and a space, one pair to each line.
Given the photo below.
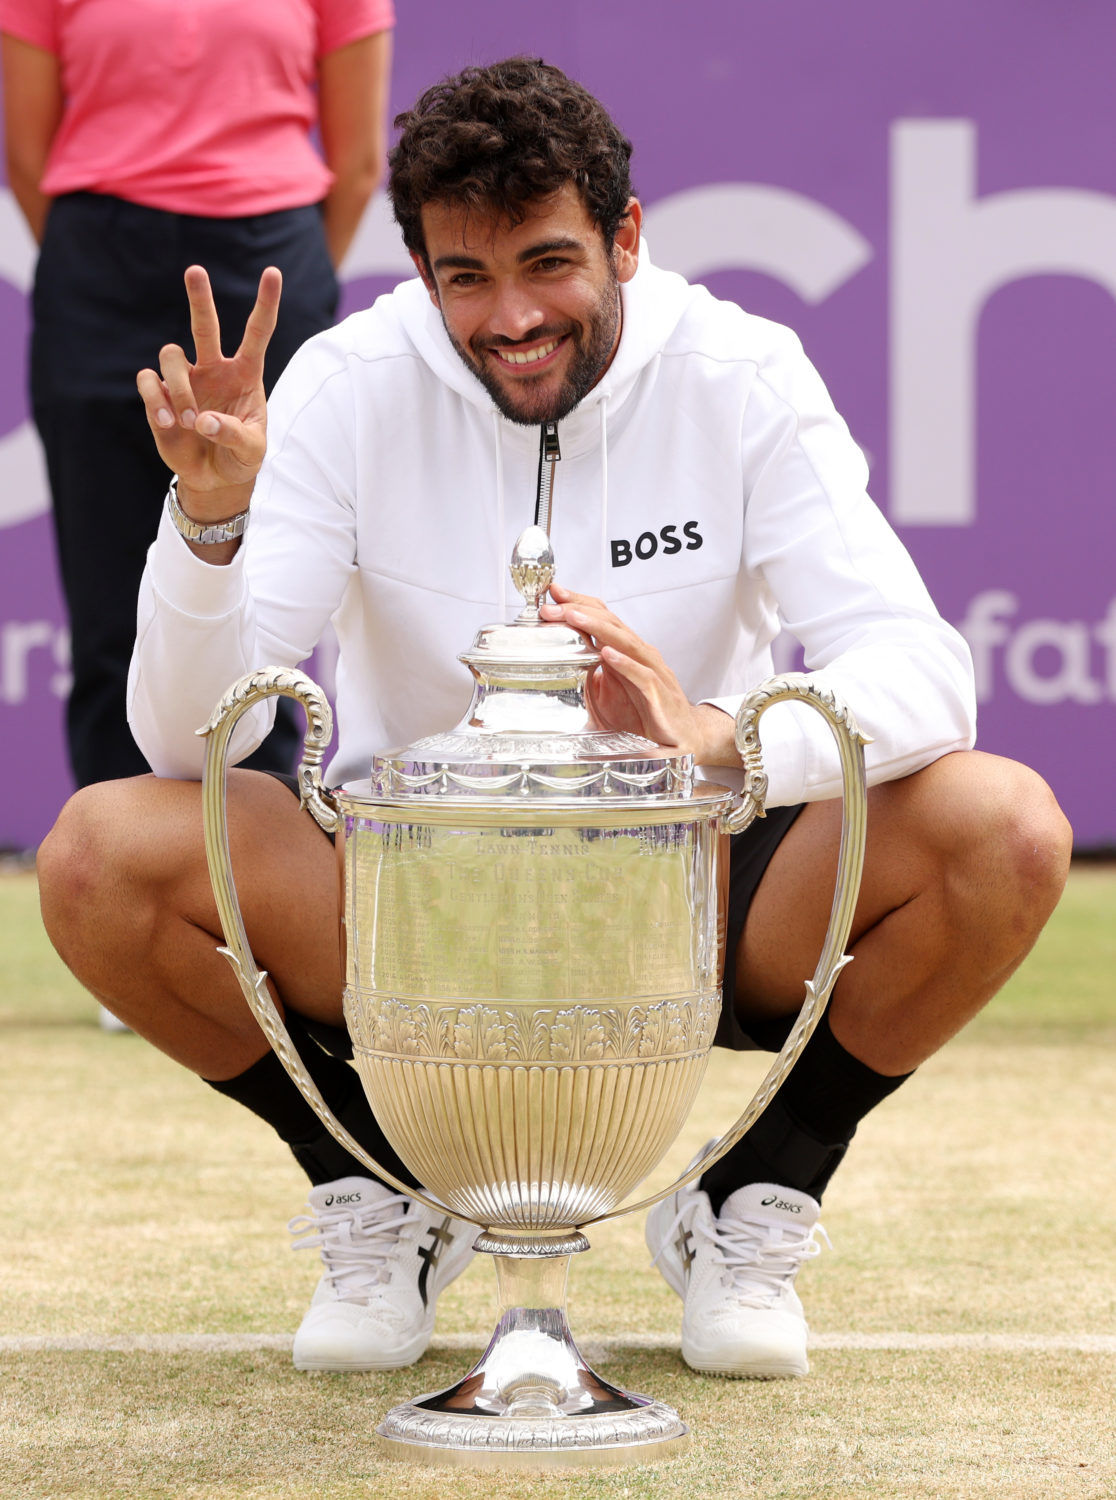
142, 138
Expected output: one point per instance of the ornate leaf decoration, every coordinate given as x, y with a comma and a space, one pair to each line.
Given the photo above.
539, 1033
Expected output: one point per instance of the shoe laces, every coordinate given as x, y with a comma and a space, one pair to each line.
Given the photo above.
358, 1242
758, 1257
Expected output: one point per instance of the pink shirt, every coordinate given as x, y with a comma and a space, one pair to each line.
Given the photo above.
195, 106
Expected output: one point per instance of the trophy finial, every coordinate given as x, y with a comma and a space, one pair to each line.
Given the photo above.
532, 570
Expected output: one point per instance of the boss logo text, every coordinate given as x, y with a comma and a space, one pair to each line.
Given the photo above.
649, 542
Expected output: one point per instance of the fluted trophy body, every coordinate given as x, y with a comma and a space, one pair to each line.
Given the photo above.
534, 914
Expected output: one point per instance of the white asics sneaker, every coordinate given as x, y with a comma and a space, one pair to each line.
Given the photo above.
735, 1274
385, 1260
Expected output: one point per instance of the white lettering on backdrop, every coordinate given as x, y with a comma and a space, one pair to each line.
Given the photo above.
949, 252
30, 650
23, 481
747, 227
1043, 661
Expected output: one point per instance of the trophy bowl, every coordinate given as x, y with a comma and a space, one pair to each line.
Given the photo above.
534, 915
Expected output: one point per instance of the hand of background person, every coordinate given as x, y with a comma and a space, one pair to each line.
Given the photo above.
634, 690
209, 417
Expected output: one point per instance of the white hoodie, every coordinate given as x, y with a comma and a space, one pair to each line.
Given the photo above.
706, 484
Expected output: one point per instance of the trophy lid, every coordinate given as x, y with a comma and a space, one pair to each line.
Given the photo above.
529, 731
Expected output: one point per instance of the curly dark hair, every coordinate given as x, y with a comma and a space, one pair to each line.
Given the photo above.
497, 138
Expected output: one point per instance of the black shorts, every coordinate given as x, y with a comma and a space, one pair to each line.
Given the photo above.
750, 853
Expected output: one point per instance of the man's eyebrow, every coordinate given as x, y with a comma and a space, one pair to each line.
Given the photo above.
458, 263
548, 247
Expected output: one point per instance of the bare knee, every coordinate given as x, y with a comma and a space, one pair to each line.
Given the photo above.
75, 859
1011, 847
88, 877
1040, 842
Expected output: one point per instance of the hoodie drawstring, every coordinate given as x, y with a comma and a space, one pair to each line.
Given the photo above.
603, 408
501, 560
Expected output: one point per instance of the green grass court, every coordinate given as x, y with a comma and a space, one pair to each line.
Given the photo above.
964, 1321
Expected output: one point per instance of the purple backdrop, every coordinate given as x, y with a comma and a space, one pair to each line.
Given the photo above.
927, 193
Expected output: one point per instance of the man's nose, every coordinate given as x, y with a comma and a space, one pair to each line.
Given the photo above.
516, 311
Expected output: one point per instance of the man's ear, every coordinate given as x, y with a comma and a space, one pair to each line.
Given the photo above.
422, 266
625, 247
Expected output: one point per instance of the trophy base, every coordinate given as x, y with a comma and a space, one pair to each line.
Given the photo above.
646, 1434
531, 1401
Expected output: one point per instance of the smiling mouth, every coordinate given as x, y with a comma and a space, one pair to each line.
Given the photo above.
519, 358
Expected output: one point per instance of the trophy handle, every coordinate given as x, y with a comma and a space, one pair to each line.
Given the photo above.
271, 682
794, 687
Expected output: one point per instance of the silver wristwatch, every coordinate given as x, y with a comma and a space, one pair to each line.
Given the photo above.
194, 531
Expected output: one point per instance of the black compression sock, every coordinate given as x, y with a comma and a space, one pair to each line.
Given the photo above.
804, 1132
267, 1090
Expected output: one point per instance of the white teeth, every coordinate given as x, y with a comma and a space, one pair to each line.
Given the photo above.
531, 355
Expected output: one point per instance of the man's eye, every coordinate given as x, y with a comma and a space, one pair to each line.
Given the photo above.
551, 263
464, 278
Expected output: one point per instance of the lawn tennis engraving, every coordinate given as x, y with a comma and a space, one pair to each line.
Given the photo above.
533, 982
453, 916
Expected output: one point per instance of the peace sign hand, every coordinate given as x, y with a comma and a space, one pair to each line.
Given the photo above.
209, 417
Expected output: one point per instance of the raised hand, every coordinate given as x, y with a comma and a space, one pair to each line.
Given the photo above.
634, 690
209, 417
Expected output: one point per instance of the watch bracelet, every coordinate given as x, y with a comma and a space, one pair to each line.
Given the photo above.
206, 535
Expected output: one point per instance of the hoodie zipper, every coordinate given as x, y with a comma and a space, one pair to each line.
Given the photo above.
549, 454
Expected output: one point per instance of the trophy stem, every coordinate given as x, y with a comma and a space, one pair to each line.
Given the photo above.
531, 1400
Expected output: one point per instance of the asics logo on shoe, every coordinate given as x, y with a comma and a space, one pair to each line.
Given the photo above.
775, 1202
684, 1244
343, 1198
430, 1255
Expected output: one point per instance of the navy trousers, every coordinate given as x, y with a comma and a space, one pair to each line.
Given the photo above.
108, 295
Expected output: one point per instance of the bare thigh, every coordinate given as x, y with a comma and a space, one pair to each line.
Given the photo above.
964, 862
128, 903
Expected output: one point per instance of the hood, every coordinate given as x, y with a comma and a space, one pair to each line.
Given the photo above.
652, 303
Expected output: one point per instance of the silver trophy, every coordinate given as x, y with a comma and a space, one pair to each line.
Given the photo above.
534, 922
